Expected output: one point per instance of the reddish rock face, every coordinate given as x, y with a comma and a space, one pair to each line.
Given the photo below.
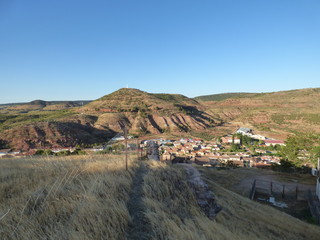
53, 134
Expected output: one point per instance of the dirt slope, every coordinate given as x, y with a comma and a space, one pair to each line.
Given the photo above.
53, 134
276, 114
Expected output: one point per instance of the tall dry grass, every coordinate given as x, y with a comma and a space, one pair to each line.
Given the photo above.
86, 197
174, 214
80, 197
247, 219
171, 206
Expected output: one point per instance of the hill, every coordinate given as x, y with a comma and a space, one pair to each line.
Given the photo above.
96, 198
41, 105
41, 135
41, 124
143, 112
223, 96
275, 114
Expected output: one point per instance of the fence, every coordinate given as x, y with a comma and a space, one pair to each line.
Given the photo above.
314, 205
262, 189
253, 190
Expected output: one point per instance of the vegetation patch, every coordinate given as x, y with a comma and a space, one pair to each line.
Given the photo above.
14, 120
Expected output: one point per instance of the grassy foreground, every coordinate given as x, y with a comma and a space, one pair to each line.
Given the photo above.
174, 214
86, 197
71, 198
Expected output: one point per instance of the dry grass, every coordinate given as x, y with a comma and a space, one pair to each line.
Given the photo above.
232, 178
70, 198
87, 197
246, 219
171, 207
174, 214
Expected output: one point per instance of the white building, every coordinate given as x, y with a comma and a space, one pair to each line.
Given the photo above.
245, 131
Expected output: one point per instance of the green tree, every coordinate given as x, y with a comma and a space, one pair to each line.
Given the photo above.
302, 149
3, 144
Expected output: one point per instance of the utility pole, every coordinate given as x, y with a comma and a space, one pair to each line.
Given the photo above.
318, 179
138, 148
141, 153
126, 145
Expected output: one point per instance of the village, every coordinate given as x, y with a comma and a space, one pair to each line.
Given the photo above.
224, 151
243, 148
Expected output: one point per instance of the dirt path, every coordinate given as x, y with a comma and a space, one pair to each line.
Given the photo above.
139, 228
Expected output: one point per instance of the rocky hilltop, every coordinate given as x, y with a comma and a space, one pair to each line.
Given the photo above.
142, 112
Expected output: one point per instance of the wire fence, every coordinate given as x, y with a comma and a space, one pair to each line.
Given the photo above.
262, 188
314, 205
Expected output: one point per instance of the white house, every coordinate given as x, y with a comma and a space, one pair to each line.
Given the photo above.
244, 131
258, 137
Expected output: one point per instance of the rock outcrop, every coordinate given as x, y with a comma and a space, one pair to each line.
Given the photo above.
53, 134
205, 198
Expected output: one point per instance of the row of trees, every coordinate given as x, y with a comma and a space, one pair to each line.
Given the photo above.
115, 148
48, 152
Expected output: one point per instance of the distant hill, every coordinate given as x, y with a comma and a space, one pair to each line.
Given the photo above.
274, 114
223, 96
42, 105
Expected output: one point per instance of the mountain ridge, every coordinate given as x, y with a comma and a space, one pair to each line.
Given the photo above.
140, 112
276, 114
224, 96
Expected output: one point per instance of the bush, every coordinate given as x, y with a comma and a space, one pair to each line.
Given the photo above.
78, 152
63, 153
44, 152
285, 166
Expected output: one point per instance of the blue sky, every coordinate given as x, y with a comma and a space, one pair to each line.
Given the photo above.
75, 49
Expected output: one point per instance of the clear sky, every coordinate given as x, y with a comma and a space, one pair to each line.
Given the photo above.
76, 49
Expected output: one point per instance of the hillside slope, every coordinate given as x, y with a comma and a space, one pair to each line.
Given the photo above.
43, 135
41, 105
93, 198
142, 112
223, 96
41, 124
276, 113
